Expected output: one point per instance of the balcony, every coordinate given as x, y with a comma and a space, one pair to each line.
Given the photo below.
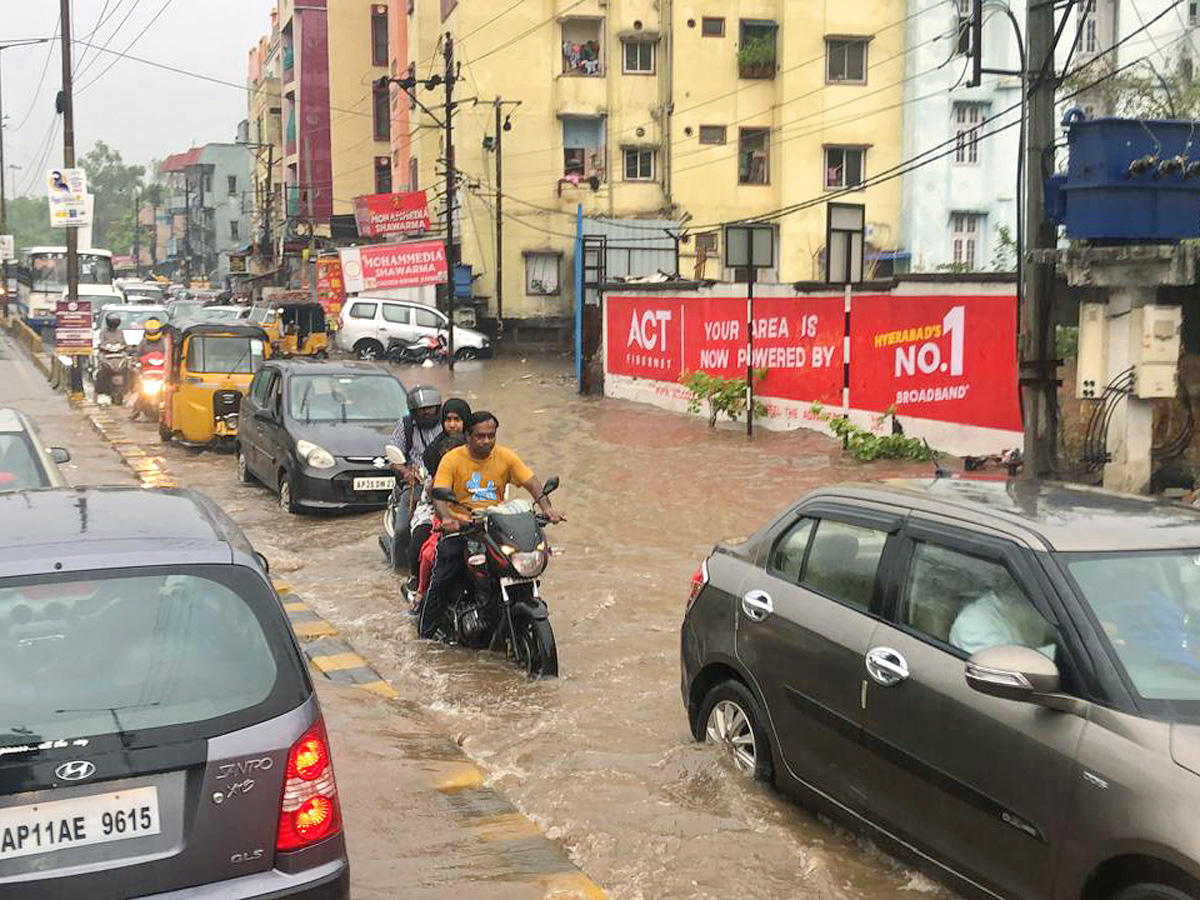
757, 54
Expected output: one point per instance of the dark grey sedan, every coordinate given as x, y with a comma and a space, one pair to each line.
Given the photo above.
999, 680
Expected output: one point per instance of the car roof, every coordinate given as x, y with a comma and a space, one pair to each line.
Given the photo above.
320, 367
112, 527
1065, 517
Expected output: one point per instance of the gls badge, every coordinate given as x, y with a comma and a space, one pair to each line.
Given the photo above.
251, 856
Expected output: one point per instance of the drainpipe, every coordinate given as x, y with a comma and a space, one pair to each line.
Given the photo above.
668, 89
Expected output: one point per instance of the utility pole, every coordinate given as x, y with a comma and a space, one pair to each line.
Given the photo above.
268, 199
68, 114
187, 229
1036, 346
499, 223
312, 228
451, 176
137, 235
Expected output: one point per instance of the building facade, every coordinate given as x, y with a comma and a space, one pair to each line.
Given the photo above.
642, 109
265, 141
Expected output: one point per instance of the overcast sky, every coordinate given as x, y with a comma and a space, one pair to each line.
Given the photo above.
142, 111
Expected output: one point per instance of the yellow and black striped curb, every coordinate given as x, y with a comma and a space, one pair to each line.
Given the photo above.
151, 471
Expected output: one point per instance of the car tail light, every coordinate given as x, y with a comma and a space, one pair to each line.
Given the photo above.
699, 580
309, 810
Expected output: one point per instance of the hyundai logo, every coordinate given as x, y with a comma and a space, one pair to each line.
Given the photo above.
76, 770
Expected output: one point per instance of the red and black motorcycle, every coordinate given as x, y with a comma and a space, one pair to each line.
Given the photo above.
148, 390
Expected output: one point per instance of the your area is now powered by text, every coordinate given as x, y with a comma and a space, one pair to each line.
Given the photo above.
943, 357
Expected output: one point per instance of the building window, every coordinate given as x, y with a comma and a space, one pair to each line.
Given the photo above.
1090, 42
232, 180
639, 164
712, 26
208, 184
541, 274
380, 112
581, 47
712, 134
638, 58
967, 120
706, 244
844, 166
1193, 13
379, 35
754, 150
583, 148
414, 174
965, 13
383, 175
756, 50
233, 230
846, 60
964, 237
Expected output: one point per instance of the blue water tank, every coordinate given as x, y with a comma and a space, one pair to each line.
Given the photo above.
1128, 180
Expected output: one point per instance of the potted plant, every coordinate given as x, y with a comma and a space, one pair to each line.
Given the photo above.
756, 57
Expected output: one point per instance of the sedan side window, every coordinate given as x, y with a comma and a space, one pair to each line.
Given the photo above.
970, 603
787, 556
842, 562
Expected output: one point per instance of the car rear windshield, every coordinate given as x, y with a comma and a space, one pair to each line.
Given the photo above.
224, 355
1148, 606
125, 653
19, 466
346, 398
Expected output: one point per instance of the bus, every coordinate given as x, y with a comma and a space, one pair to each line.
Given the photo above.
42, 277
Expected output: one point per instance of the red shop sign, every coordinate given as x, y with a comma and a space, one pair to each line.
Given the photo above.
331, 292
952, 359
385, 266
391, 215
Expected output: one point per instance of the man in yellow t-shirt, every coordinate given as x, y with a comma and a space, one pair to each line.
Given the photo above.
478, 473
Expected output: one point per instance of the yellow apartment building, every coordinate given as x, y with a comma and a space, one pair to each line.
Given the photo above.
701, 112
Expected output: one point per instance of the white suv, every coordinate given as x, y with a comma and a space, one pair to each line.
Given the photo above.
369, 323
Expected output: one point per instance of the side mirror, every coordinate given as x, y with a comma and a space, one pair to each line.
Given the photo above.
60, 454
394, 455
264, 415
264, 562
444, 494
550, 486
1013, 673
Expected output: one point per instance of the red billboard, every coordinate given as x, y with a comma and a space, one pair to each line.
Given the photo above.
949, 358
391, 215
645, 337
331, 291
386, 266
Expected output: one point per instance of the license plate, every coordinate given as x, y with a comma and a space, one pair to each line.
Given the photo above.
78, 822
374, 484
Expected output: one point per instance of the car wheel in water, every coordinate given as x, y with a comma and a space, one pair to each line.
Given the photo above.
287, 496
1151, 892
539, 653
368, 349
467, 353
243, 471
733, 721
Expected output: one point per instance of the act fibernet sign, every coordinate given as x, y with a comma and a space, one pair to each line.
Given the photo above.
378, 267
946, 358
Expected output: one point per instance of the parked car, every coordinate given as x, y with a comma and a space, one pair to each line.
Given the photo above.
369, 323
1001, 680
174, 745
25, 460
315, 432
137, 291
133, 317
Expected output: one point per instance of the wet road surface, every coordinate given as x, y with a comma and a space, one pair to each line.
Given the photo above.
601, 757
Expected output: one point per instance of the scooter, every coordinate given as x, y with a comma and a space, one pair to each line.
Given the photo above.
151, 372
426, 347
396, 533
112, 372
501, 606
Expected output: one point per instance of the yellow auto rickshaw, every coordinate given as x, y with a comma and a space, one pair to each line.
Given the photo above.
295, 328
209, 369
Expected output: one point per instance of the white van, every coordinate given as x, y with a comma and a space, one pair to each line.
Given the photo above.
368, 323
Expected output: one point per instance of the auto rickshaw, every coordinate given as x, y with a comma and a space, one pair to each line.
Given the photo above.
209, 369
295, 328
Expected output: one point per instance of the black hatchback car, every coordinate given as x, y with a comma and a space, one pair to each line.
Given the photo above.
1000, 679
315, 432
159, 734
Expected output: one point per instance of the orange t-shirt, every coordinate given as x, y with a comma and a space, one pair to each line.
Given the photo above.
480, 483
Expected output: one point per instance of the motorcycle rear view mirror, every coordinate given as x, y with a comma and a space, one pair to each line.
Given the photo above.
394, 455
550, 486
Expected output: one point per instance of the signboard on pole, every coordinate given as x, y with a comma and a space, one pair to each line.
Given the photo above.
391, 215
66, 189
7, 248
73, 328
385, 266
331, 290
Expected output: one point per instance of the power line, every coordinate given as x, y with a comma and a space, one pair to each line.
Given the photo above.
82, 70
162, 9
37, 92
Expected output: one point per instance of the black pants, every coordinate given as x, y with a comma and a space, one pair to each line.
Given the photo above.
448, 569
416, 541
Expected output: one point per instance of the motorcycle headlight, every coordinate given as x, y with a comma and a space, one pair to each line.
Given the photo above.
151, 386
529, 564
315, 456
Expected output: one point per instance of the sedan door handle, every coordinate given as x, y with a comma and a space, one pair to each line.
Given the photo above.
757, 605
886, 666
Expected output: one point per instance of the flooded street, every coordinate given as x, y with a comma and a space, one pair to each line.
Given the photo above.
601, 757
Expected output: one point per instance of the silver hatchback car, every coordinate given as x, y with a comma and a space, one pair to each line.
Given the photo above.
159, 734
1000, 680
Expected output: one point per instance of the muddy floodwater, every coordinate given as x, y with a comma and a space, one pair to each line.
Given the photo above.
602, 756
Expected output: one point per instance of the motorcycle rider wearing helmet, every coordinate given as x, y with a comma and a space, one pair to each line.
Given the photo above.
152, 337
416, 432
112, 333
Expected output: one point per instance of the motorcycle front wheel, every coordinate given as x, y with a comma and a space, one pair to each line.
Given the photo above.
536, 648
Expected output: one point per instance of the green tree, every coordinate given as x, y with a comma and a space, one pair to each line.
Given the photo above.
116, 186
29, 223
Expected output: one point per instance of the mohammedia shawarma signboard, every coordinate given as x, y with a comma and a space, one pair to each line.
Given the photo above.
391, 215
379, 267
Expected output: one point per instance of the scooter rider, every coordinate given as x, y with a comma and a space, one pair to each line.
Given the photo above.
112, 333
152, 337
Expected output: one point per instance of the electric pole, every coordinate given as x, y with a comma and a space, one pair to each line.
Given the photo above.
1036, 346
451, 176
137, 236
68, 114
187, 229
499, 222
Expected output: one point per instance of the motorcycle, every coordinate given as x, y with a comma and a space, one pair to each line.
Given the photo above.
112, 372
426, 347
396, 518
151, 371
501, 606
